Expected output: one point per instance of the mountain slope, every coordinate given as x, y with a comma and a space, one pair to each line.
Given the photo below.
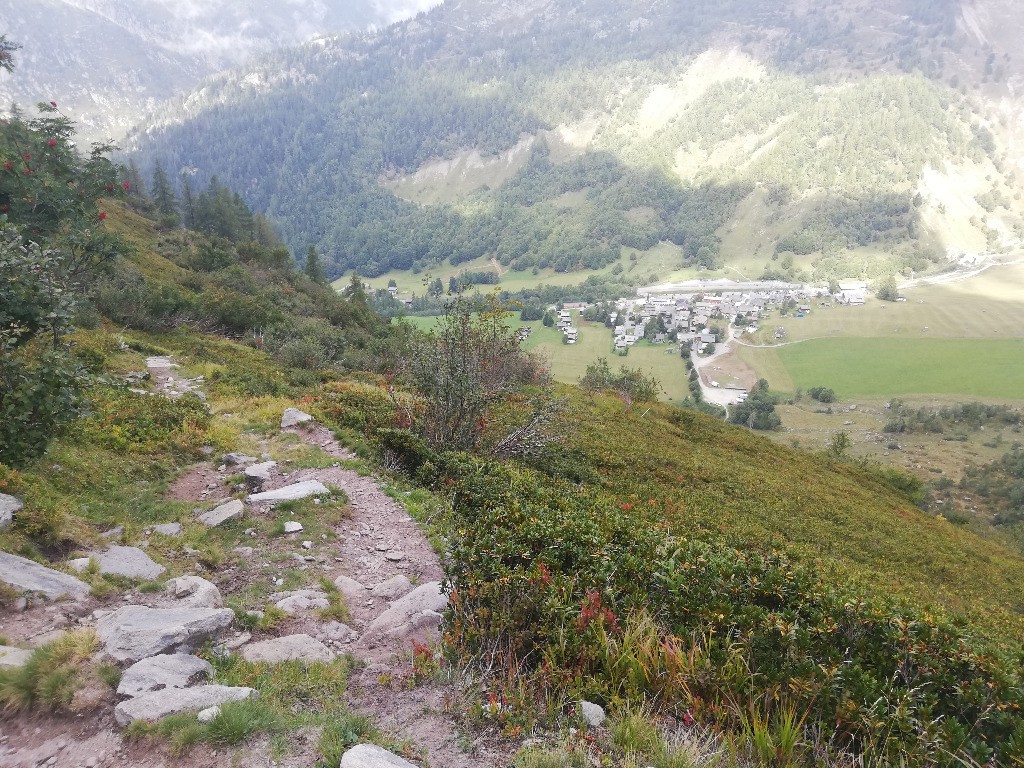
646, 123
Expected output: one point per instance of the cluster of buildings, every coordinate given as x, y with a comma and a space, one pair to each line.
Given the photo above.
569, 332
690, 315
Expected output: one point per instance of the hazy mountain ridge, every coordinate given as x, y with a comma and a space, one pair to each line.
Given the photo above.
836, 108
109, 61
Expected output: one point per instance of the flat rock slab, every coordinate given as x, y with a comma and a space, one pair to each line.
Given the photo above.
372, 756
23, 575
168, 529
290, 648
13, 657
130, 562
135, 632
170, 701
420, 608
238, 459
260, 472
9, 505
176, 670
231, 510
292, 417
292, 526
299, 603
302, 490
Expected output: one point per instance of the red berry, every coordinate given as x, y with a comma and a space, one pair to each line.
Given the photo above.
103, 215
110, 187
28, 171
4, 208
28, 156
127, 185
53, 142
9, 165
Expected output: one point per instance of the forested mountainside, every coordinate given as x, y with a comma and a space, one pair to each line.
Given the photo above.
811, 141
108, 61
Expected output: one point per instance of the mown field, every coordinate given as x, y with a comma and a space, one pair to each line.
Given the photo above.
889, 367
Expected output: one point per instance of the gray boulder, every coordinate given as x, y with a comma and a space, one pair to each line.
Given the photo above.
291, 492
351, 589
290, 648
293, 417
135, 632
258, 474
23, 575
168, 529
230, 510
238, 459
169, 701
592, 714
393, 588
420, 609
13, 657
130, 562
9, 506
292, 526
372, 756
195, 592
177, 670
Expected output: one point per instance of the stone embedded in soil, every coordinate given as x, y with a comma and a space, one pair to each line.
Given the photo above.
593, 714
24, 575
238, 459
336, 632
168, 529
290, 648
395, 556
230, 510
299, 603
351, 589
420, 609
114, 533
169, 701
208, 715
292, 527
292, 417
195, 592
135, 632
13, 657
291, 492
176, 670
393, 588
130, 562
9, 506
258, 474
372, 756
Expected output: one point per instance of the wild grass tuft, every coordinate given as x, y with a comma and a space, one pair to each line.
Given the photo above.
341, 732
52, 675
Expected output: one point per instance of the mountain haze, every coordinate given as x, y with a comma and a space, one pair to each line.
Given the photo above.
107, 61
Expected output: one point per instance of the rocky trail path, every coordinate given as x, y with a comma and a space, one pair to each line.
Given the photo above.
379, 559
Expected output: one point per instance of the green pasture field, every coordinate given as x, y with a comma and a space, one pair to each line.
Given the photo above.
892, 367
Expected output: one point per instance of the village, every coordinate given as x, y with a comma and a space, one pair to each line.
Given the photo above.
686, 317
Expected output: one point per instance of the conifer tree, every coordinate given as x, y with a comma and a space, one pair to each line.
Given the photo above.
163, 195
314, 268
